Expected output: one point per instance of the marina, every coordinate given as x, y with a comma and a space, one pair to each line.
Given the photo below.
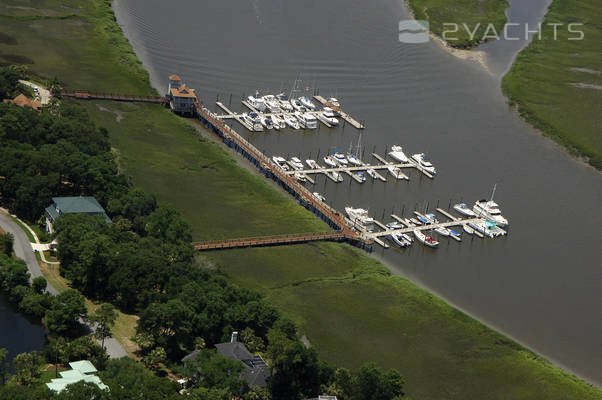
302, 113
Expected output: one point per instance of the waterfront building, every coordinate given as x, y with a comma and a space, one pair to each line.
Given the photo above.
181, 97
72, 205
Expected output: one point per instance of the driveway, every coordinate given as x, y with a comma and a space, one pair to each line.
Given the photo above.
23, 248
44, 93
24, 251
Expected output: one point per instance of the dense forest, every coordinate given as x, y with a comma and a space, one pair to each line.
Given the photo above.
142, 262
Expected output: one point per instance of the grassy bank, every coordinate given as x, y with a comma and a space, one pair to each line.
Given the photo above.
476, 14
76, 41
557, 84
164, 155
353, 311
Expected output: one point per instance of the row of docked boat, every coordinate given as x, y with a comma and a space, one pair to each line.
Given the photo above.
419, 159
277, 112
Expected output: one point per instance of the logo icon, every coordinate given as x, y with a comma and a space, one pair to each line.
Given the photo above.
413, 31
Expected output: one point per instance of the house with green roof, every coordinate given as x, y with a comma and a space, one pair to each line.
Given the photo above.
81, 371
72, 205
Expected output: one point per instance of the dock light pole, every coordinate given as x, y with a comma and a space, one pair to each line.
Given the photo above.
403, 209
383, 216
449, 205
437, 204
318, 156
230, 101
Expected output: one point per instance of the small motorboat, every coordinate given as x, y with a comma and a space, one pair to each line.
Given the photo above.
331, 120
337, 176
360, 175
468, 229
397, 154
397, 173
425, 239
463, 209
312, 164
409, 223
296, 163
415, 221
266, 121
395, 225
399, 240
300, 177
454, 233
407, 237
319, 196
330, 161
333, 101
306, 101
424, 162
291, 121
340, 158
353, 159
424, 220
372, 173
442, 231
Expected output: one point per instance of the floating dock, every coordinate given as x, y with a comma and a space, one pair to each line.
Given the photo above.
342, 113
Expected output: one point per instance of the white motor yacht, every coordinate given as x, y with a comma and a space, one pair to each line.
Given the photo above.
468, 229
330, 161
272, 103
490, 210
281, 162
306, 101
424, 162
442, 231
312, 164
425, 239
298, 106
331, 120
463, 209
291, 121
319, 196
301, 118
253, 120
296, 163
329, 112
256, 102
311, 122
397, 154
285, 104
360, 218
395, 225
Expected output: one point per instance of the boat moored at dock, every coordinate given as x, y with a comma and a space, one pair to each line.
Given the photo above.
491, 211
253, 120
397, 154
307, 103
463, 209
256, 102
291, 121
425, 163
360, 218
425, 239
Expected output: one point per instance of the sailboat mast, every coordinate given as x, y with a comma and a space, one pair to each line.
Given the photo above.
493, 192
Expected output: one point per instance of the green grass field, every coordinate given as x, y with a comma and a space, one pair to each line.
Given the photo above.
163, 154
76, 41
476, 14
352, 311
544, 81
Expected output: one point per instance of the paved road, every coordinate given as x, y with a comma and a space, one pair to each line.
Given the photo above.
44, 93
23, 248
24, 251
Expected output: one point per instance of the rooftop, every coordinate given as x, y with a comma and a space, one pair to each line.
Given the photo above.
75, 205
174, 78
22, 100
183, 91
82, 371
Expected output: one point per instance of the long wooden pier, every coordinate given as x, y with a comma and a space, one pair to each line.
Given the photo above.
300, 192
85, 95
342, 113
268, 240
